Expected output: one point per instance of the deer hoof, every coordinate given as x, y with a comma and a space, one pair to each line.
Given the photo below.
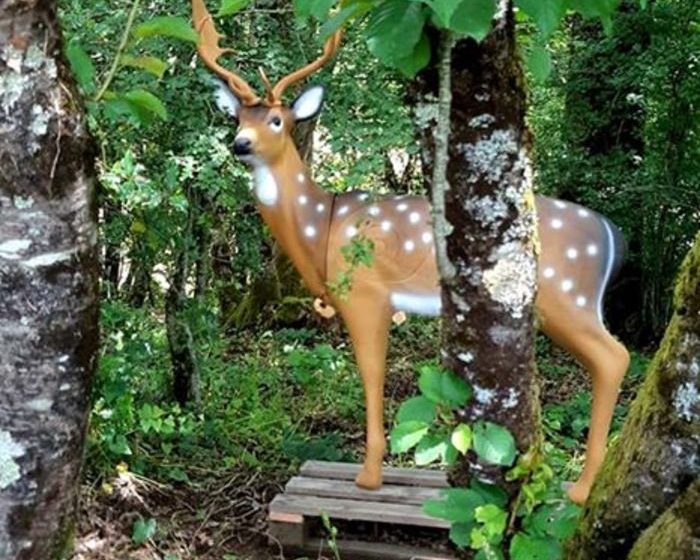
578, 492
369, 479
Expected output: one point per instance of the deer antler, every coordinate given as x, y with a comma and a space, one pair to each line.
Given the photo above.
210, 51
274, 97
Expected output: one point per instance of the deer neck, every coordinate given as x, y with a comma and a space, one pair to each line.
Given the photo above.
297, 213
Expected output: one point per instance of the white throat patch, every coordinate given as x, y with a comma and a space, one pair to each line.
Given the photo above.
266, 189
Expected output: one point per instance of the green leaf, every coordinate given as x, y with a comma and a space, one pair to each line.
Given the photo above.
451, 455
527, 547
443, 387
490, 493
546, 14
230, 7
167, 26
147, 101
494, 444
143, 530
419, 59
82, 66
539, 63
442, 10
340, 18
393, 31
460, 534
493, 519
458, 506
462, 438
138, 104
313, 8
431, 448
150, 64
407, 435
474, 18
419, 409
553, 520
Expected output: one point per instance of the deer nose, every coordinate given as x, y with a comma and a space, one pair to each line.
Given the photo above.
242, 146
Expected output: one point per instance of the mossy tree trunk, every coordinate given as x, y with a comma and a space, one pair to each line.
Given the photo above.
676, 534
488, 303
656, 458
48, 285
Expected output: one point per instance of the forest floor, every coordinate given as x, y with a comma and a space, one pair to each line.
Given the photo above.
219, 513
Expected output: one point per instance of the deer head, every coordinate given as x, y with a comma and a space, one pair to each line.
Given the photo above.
265, 124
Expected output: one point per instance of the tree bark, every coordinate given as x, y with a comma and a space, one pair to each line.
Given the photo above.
488, 321
656, 458
676, 534
48, 282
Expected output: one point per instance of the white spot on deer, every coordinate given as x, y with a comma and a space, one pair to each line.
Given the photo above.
374, 211
303, 199
301, 178
414, 217
343, 210
556, 223
583, 213
560, 204
351, 231
581, 301
362, 196
265, 185
386, 225
9, 451
13, 248
592, 250
310, 231
548, 272
409, 246
572, 253
427, 237
567, 285
402, 207
320, 207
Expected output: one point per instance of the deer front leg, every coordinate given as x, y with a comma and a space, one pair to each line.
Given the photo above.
369, 331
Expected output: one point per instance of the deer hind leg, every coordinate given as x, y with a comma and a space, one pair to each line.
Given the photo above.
606, 361
368, 323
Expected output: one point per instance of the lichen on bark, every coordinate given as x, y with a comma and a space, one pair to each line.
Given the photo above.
657, 455
48, 282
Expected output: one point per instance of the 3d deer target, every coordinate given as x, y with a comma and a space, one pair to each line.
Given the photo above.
580, 251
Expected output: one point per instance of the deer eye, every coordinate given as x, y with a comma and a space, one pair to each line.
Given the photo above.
275, 124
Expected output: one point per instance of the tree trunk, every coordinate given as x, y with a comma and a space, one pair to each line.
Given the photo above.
182, 354
676, 534
48, 282
656, 458
488, 305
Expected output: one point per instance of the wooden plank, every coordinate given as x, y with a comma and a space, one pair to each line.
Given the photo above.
288, 534
400, 514
359, 550
327, 488
392, 475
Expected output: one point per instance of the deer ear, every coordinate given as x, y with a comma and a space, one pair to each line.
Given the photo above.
308, 105
226, 100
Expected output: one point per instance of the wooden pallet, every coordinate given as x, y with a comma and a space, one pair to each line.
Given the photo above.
329, 488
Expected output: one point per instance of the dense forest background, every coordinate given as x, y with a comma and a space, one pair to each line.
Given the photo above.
215, 378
